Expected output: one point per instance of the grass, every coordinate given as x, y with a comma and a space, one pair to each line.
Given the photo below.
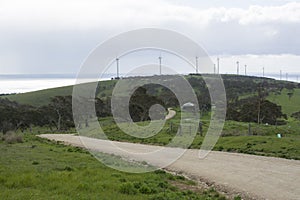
40, 98
287, 147
43, 97
40, 169
289, 105
235, 137
105, 88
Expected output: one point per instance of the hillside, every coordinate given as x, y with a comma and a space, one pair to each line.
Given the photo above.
237, 87
287, 99
243, 131
43, 97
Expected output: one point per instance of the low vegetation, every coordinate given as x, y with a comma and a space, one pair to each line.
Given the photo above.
12, 137
261, 139
259, 110
40, 169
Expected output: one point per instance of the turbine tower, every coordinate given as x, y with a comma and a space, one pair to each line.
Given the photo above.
218, 62
214, 68
160, 64
245, 70
237, 67
263, 71
280, 74
117, 60
196, 64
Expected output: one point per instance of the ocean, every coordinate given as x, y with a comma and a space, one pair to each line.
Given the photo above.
22, 83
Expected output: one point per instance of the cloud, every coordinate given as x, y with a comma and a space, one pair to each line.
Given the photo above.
59, 34
287, 63
82, 14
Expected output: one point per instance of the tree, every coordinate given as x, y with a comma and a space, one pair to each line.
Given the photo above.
140, 103
246, 110
14, 116
62, 106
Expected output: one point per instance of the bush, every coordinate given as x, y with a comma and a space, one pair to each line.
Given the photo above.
128, 188
145, 190
220, 148
35, 163
11, 138
237, 198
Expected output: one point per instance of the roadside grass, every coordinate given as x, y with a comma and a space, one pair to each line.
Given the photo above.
235, 137
234, 128
41, 169
288, 147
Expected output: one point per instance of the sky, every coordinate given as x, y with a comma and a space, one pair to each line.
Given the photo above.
56, 36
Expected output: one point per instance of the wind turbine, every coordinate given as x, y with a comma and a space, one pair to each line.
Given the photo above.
214, 68
218, 62
237, 67
160, 64
245, 70
196, 64
280, 74
117, 61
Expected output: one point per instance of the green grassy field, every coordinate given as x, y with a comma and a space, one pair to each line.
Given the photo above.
43, 97
289, 105
235, 137
40, 169
40, 98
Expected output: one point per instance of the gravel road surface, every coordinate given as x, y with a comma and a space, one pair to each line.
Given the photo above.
254, 177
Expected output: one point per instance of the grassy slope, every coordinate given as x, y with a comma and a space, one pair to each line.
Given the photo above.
39, 169
281, 148
43, 97
289, 106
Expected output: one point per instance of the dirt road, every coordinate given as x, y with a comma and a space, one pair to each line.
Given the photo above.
251, 176
171, 114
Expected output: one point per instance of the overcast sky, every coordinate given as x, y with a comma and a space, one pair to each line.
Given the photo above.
55, 36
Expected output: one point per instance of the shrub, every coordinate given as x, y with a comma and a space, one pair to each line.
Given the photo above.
159, 171
11, 138
237, 198
145, 190
180, 177
128, 188
67, 168
220, 148
35, 163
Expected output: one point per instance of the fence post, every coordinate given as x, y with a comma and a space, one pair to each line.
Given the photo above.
249, 129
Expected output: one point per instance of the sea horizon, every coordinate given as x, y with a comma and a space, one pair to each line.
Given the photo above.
22, 83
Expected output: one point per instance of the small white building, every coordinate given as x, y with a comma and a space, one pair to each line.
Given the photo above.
190, 107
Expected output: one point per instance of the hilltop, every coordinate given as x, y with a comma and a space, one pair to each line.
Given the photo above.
284, 93
258, 109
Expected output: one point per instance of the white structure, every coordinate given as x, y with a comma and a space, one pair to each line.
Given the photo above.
188, 107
